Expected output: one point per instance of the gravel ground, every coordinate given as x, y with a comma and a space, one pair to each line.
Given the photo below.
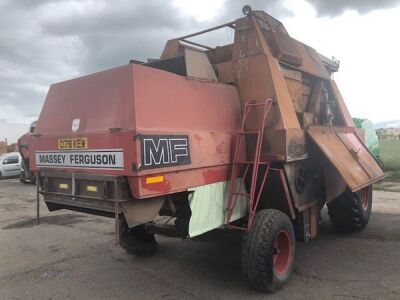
73, 256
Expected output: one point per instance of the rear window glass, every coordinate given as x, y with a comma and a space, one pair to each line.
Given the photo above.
11, 160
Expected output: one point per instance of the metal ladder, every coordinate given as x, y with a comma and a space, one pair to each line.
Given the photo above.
234, 191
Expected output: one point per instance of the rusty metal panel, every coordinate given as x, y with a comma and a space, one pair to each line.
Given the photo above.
334, 183
283, 145
254, 82
306, 119
220, 54
314, 104
226, 72
295, 144
276, 34
301, 181
294, 85
348, 155
312, 64
259, 77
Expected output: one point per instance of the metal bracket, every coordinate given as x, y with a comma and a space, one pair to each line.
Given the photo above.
37, 198
136, 136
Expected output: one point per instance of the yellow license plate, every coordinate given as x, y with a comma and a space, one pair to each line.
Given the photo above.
78, 143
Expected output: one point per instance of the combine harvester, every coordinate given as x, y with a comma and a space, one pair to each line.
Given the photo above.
252, 136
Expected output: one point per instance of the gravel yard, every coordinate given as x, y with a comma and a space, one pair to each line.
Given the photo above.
72, 255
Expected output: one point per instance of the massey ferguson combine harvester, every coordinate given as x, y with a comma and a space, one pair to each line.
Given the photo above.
252, 136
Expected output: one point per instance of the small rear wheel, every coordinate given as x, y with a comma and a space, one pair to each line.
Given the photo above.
136, 240
268, 251
351, 211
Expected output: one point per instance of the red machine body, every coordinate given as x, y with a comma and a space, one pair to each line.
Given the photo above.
117, 106
252, 135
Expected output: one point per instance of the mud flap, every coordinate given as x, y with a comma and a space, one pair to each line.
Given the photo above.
348, 155
208, 204
142, 211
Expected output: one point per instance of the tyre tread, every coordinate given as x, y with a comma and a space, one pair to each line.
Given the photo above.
346, 214
257, 253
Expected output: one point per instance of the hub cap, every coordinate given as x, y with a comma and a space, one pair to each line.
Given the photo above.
282, 252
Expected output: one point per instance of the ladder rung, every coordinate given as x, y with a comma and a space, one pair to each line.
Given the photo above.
237, 227
241, 194
250, 162
256, 104
255, 191
249, 132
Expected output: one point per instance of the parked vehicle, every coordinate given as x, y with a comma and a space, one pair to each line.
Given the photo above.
10, 164
26, 175
251, 136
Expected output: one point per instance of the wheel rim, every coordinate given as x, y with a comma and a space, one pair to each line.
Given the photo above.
282, 252
364, 195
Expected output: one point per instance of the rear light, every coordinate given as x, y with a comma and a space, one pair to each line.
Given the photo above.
154, 179
91, 188
63, 186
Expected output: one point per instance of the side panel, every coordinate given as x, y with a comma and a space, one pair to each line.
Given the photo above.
348, 155
110, 110
97, 103
207, 113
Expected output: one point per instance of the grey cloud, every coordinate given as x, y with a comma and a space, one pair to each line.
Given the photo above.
337, 7
119, 31
43, 41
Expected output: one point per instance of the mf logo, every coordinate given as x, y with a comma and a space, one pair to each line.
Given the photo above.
164, 150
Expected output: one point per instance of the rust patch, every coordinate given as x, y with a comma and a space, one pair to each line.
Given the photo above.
197, 137
296, 148
220, 148
212, 176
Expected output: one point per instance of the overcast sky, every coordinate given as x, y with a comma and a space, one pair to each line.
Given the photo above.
43, 42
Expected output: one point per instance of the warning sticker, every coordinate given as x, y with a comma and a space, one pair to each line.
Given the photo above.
88, 159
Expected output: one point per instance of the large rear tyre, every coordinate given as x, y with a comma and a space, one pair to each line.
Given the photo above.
137, 240
268, 251
351, 211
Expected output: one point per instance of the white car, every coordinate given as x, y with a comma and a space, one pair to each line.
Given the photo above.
10, 164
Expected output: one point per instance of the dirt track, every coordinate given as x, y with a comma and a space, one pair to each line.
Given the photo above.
71, 255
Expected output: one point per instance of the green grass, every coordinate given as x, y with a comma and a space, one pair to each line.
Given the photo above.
393, 176
390, 155
382, 187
